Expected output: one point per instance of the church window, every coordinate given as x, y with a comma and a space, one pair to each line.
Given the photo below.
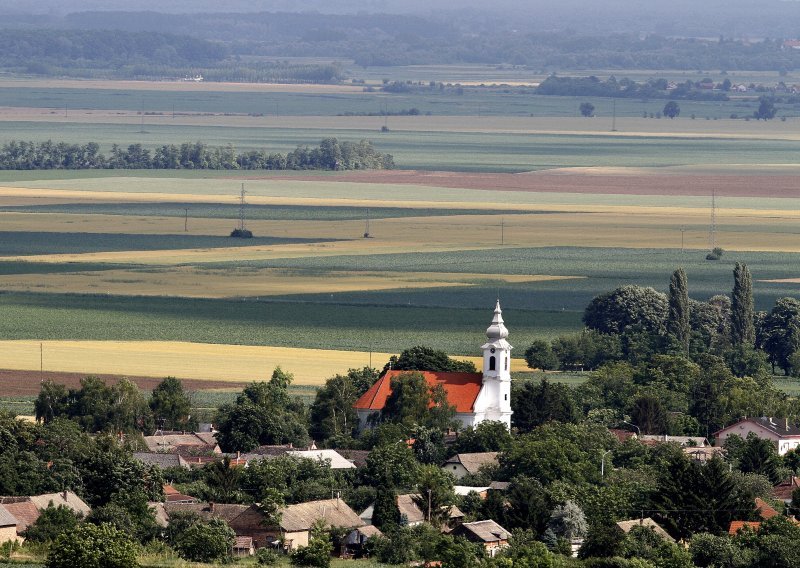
506, 397
506, 363
491, 363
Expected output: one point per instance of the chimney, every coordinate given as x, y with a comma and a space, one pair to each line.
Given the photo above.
64, 495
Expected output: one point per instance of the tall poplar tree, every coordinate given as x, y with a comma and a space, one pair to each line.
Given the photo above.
678, 318
743, 330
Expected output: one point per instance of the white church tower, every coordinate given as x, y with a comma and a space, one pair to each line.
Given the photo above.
494, 399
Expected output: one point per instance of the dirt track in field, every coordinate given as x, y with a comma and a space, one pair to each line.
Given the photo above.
603, 183
27, 383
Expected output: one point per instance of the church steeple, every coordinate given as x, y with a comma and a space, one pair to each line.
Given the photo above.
494, 401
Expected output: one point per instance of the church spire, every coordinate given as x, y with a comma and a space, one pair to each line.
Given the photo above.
497, 329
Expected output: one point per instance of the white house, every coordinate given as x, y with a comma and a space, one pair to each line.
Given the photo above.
477, 397
784, 435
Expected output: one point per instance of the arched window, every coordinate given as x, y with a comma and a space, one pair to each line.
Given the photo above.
506, 359
491, 363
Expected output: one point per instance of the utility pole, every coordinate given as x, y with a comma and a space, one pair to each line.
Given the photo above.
366, 229
241, 209
186, 220
502, 231
141, 130
683, 229
712, 237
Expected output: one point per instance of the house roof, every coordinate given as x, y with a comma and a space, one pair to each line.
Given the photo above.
6, 518
369, 531
486, 531
24, 511
781, 427
357, 457
161, 460
174, 496
336, 459
462, 389
622, 435
689, 441
334, 512
765, 510
225, 511
168, 442
736, 526
626, 527
783, 491
474, 461
463, 490
409, 508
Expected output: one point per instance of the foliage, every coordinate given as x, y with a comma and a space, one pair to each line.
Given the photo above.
568, 521
413, 402
586, 109
171, 406
766, 108
435, 495
52, 522
288, 479
316, 554
535, 404
671, 109
742, 314
421, 358
626, 306
332, 415
92, 546
539, 355
329, 155
678, 317
487, 436
263, 414
390, 465
206, 541
779, 334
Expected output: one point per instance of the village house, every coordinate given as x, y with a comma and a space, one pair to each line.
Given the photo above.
626, 526
296, 521
194, 443
783, 490
489, 534
161, 460
26, 510
780, 431
477, 397
8, 526
469, 464
245, 520
356, 539
411, 513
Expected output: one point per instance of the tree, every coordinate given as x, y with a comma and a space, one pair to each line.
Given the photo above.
223, 480
615, 311
317, 554
385, 512
743, 331
413, 402
648, 413
263, 414
587, 109
487, 436
678, 317
780, 332
332, 415
435, 495
52, 522
671, 109
540, 356
568, 521
537, 403
766, 108
171, 406
206, 541
92, 546
390, 465
421, 358
529, 505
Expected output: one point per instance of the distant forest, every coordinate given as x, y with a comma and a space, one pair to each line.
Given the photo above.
329, 155
248, 47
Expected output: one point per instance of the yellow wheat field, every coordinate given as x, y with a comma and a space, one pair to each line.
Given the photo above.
198, 361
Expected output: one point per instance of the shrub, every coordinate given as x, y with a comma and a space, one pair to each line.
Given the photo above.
92, 546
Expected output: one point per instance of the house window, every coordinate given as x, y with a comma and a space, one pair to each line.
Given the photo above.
491, 363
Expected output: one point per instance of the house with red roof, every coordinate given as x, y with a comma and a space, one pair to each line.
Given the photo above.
476, 396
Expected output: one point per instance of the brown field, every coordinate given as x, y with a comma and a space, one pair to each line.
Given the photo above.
191, 282
27, 383
210, 364
177, 86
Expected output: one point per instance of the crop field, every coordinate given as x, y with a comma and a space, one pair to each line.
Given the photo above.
499, 194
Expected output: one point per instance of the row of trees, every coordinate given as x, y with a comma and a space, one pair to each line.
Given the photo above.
329, 155
625, 88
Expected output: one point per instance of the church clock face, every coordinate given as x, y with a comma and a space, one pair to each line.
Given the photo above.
491, 350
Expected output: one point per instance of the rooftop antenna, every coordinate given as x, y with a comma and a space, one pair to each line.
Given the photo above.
366, 229
241, 208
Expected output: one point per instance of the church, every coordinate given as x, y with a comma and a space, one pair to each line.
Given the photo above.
476, 396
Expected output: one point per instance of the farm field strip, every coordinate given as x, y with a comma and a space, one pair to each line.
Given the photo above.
235, 363
227, 283
182, 86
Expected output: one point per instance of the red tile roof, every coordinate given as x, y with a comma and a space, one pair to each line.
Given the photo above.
25, 512
736, 526
765, 510
784, 489
462, 389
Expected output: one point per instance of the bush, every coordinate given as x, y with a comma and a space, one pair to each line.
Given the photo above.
206, 541
242, 234
92, 546
267, 557
316, 554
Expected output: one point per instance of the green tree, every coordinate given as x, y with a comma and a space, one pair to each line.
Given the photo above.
671, 109
487, 436
332, 415
92, 546
171, 406
539, 355
263, 414
421, 358
586, 109
678, 317
316, 554
766, 108
613, 312
780, 332
435, 495
413, 402
743, 331
223, 480
537, 403
385, 512
206, 541
52, 522
568, 521
390, 465
649, 415
52, 402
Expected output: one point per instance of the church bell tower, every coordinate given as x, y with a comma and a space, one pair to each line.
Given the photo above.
495, 396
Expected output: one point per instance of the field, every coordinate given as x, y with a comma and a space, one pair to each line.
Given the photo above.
498, 194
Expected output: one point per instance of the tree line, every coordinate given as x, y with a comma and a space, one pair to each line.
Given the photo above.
329, 155
627, 88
